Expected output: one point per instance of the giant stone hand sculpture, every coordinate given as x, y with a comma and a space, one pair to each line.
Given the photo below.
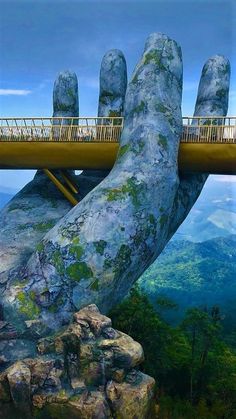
100, 248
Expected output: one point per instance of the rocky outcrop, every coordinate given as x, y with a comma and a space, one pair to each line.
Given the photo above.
87, 371
113, 84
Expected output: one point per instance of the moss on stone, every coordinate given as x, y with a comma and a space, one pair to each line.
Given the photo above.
113, 194
71, 93
23, 207
162, 141
78, 271
140, 108
133, 189
55, 411
107, 93
57, 304
163, 220
20, 282
107, 263
40, 247
27, 304
154, 56
76, 251
95, 285
221, 93
63, 107
122, 259
152, 219
22, 227
76, 240
43, 227
58, 262
123, 149
100, 246
130, 187
161, 108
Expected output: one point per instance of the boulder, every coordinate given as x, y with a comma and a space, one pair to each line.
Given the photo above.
88, 377
133, 398
19, 380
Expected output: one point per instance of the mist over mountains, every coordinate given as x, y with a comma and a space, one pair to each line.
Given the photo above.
214, 214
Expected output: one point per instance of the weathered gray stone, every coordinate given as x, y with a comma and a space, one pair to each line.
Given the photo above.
52, 385
212, 100
132, 398
126, 352
19, 377
65, 95
104, 244
94, 318
37, 207
26, 219
113, 84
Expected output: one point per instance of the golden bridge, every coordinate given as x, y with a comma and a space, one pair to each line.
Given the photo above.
208, 145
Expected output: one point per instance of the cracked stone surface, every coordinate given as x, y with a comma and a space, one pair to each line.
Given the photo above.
212, 100
113, 84
65, 95
87, 371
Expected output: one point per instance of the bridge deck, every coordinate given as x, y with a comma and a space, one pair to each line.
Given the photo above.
207, 145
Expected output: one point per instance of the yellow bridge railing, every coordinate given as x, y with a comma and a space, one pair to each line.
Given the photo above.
61, 129
108, 129
209, 130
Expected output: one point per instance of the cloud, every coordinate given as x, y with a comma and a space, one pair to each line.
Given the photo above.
225, 178
15, 92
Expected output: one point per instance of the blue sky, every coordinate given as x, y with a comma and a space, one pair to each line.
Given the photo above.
39, 38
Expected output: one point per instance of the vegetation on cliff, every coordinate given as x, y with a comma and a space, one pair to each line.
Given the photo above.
194, 368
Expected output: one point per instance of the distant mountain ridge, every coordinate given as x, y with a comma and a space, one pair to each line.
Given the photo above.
194, 274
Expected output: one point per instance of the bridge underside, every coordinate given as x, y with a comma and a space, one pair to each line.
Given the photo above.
218, 158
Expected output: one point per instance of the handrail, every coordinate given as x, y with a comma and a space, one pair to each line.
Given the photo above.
200, 129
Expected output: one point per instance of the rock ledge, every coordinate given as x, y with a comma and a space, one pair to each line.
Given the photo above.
88, 370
